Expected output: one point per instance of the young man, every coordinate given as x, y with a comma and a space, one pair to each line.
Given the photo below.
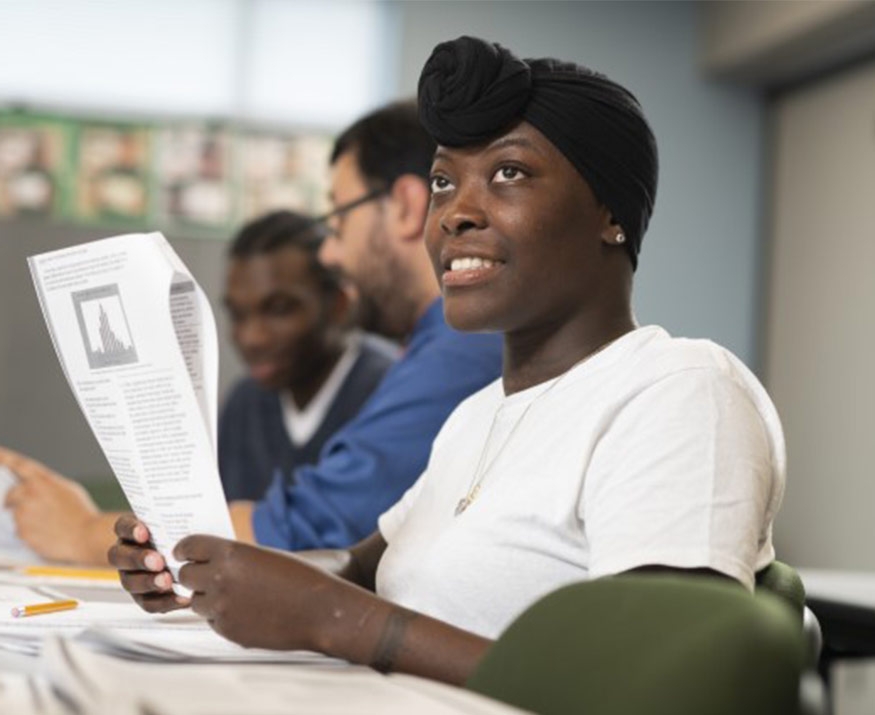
309, 373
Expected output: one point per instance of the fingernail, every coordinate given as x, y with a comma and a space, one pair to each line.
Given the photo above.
183, 601
140, 533
162, 581
154, 562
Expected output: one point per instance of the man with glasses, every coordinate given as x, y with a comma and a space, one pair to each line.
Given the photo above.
380, 192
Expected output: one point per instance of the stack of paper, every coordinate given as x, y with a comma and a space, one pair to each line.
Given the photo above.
95, 683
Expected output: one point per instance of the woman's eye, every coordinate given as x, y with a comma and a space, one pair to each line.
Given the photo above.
440, 184
508, 173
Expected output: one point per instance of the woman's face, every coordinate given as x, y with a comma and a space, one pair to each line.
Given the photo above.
515, 234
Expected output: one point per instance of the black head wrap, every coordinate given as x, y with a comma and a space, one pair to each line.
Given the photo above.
471, 90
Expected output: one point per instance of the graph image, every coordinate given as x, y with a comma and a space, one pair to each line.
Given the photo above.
104, 327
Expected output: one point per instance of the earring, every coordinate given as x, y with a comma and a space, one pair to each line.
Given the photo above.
621, 237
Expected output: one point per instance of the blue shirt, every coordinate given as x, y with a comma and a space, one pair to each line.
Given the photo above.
366, 466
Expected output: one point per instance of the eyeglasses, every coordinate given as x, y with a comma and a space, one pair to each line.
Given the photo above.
343, 209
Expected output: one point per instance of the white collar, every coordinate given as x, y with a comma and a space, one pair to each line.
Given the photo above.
301, 425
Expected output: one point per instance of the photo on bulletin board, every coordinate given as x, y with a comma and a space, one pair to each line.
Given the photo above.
284, 172
112, 165
33, 161
193, 176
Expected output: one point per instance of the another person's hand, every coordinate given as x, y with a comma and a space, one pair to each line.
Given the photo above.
255, 596
53, 515
141, 568
241, 520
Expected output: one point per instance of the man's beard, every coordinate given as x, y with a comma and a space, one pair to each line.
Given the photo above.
368, 315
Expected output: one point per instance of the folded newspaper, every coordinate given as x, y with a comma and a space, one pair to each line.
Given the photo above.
136, 340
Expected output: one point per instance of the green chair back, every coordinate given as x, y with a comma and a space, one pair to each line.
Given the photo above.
783, 581
643, 643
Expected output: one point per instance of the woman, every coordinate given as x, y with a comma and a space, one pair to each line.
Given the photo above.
604, 447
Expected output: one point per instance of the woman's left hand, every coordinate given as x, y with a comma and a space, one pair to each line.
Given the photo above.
254, 596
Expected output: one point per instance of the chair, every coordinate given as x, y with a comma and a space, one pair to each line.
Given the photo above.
647, 643
784, 581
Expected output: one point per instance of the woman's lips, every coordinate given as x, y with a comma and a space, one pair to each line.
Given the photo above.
470, 271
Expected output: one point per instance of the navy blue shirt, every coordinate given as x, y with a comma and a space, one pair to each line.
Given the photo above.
366, 466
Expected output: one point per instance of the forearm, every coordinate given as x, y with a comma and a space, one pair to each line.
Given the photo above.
357, 564
96, 539
241, 520
362, 628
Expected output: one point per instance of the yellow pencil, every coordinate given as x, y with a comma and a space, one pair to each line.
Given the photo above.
96, 574
39, 608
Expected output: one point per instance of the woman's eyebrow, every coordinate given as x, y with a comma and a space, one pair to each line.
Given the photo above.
510, 140
504, 142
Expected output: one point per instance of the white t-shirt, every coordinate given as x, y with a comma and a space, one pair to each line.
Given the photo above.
656, 451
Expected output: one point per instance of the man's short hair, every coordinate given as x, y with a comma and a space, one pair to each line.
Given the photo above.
281, 229
388, 143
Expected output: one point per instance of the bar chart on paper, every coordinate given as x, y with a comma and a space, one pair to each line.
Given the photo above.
104, 327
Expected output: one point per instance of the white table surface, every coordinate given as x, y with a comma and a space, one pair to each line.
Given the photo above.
854, 588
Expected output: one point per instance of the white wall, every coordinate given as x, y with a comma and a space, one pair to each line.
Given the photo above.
256, 60
821, 328
698, 274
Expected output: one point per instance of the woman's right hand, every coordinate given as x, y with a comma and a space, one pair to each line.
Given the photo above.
142, 569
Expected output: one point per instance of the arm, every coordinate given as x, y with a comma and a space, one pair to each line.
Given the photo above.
312, 600
54, 515
272, 599
690, 490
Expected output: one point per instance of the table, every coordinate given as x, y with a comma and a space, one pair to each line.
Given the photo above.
101, 681
844, 603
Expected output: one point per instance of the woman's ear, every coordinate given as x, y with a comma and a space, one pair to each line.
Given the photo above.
410, 197
612, 232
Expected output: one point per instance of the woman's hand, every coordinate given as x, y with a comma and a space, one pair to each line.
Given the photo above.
141, 568
255, 596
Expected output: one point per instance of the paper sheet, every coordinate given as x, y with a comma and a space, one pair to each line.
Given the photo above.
136, 339
95, 682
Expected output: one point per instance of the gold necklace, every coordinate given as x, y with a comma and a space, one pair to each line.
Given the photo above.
478, 476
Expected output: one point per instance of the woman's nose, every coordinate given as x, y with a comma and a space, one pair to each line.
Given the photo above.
463, 213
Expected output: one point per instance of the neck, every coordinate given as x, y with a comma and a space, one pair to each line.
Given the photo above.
535, 356
305, 389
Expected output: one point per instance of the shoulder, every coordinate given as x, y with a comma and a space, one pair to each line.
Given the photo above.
656, 355
689, 377
442, 344
376, 353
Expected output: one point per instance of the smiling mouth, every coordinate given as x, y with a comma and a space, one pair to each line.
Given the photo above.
263, 370
466, 270
470, 263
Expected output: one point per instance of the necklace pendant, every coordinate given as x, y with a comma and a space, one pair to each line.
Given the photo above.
466, 500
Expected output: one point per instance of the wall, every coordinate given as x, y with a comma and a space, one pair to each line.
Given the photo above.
820, 347
776, 42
